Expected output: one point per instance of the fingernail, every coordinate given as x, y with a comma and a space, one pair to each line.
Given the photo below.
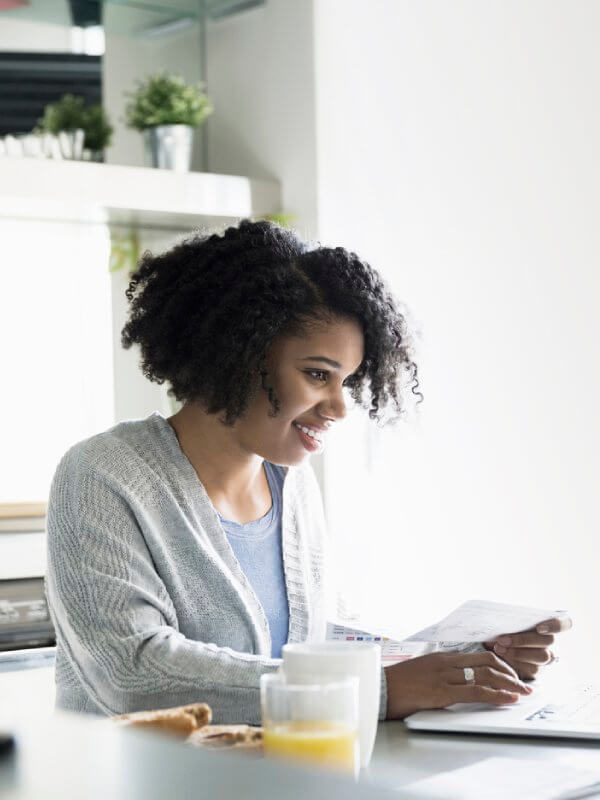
505, 640
499, 649
528, 689
543, 629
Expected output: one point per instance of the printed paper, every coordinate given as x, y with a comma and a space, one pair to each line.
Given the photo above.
481, 620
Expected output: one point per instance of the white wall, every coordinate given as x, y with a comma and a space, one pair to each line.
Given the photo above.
57, 365
23, 35
130, 58
457, 151
134, 395
260, 70
126, 60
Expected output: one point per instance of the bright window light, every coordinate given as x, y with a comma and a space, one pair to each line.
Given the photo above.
88, 41
56, 323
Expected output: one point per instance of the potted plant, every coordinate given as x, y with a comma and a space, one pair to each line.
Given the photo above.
166, 110
70, 114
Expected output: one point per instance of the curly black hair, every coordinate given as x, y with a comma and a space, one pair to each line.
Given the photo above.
206, 312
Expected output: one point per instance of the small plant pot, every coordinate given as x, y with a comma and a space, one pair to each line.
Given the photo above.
97, 156
170, 146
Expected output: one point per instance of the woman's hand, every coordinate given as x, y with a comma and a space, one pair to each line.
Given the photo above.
529, 650
438, 680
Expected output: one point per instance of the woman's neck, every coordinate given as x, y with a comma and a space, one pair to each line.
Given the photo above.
233, 478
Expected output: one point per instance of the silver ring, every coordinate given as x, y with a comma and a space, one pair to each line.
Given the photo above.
469, 673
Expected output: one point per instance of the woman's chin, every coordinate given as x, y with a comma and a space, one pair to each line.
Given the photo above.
287, 457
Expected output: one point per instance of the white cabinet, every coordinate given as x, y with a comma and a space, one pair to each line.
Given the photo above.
25, 693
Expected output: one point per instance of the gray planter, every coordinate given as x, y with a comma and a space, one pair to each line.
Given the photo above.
170, 146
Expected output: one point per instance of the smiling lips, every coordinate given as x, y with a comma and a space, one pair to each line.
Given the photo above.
309, 437
316, 435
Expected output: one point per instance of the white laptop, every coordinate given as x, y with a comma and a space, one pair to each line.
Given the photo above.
570, 712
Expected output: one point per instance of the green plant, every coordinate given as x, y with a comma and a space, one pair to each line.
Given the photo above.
124, 250
70, 112
286, 220
165, 99
98, 130
66, 114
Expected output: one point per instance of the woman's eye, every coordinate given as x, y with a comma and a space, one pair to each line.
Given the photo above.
317, 374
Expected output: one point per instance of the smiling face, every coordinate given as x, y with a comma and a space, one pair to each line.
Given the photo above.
307, 374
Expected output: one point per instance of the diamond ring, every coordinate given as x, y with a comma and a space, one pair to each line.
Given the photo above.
469, 674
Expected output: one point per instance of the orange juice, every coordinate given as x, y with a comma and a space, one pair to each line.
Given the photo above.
328, 744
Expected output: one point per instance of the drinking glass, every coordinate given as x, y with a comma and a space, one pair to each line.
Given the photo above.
338, 660
312, 723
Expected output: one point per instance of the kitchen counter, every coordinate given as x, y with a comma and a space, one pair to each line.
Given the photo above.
29, 658
76, 758
402, 756
80, 757
26, 685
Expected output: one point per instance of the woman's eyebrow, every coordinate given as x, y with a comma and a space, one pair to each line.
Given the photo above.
329, 361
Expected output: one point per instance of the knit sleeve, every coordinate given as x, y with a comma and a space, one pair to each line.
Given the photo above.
110, 607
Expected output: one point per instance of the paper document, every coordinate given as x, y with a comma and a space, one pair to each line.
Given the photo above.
392, 651
481, 620
473, 622
501, 778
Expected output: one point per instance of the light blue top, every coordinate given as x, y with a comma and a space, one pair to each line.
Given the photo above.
257, 547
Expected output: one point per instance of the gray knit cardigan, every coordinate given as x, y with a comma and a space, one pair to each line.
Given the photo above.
150, 605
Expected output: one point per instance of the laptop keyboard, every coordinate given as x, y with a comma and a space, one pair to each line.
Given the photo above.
582, 706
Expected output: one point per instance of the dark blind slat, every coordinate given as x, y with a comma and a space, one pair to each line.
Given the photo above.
29, 81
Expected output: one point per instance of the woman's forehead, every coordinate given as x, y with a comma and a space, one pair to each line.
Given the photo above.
338, 340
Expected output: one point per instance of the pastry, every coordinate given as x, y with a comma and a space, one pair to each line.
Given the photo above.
222, 736
180, 721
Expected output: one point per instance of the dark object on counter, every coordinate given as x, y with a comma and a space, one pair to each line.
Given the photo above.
24, 616
7, 744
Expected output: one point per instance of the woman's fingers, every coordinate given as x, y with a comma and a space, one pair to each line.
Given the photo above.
527, 655
555, 625
526, 639
529, 650
527, 671
540, 636
438, 680
482, 694
490, 677
483, 659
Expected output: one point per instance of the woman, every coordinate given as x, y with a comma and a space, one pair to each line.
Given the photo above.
184, 552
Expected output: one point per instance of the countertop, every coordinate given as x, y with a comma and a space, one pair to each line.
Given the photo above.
77, 757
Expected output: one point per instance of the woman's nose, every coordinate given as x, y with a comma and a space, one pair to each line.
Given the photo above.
337, 404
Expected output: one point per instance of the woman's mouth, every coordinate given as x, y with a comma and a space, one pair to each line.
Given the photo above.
309, 438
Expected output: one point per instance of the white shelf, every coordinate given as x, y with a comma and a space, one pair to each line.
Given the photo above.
99, 193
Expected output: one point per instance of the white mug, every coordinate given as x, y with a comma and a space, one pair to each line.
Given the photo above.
304, 662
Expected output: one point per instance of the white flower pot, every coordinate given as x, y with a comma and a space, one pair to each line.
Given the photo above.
170, 146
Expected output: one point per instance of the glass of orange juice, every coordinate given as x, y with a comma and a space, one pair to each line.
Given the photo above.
315, 723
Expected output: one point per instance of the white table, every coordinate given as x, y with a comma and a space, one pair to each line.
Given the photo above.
402, 756
72, 758
75, 758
